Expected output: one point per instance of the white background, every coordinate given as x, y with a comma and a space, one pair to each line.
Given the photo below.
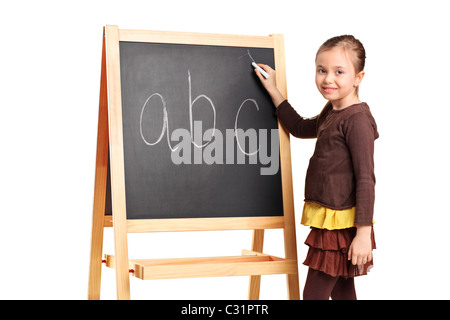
50, 55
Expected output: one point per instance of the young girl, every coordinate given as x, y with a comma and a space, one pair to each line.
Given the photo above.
340, 181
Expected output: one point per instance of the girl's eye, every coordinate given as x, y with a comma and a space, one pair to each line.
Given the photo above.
339, 72
321, 71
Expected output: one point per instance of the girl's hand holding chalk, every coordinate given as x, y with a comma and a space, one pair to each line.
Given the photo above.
269, 83
265, 74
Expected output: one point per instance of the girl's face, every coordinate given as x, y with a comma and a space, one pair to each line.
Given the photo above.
336, 78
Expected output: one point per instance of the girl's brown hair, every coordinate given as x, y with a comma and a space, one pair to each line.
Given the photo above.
357, 56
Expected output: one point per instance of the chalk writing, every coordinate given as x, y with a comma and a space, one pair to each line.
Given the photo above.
165, 122
208, 147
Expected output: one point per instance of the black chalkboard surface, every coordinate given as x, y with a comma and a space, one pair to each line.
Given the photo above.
183, 157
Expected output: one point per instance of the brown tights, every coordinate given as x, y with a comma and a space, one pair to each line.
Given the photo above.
321, 286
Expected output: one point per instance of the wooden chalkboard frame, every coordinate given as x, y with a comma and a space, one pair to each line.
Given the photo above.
110, 140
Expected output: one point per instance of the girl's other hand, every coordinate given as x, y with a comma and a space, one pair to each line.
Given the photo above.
360, 250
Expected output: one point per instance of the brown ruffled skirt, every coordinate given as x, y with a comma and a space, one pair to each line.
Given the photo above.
328, 252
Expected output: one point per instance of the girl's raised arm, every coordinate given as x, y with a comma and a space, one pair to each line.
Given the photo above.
298, 126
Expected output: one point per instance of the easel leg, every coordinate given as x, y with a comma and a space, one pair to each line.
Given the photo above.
255, 281
117, 163
101, 165
121, 255
291, 253
95, 267
290, 245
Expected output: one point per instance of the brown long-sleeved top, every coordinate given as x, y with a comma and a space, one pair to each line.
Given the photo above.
341, 171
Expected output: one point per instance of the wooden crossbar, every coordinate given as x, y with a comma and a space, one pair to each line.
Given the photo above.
149, 269
199, 224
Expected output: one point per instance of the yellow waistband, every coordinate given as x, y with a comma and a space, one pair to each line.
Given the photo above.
318, 216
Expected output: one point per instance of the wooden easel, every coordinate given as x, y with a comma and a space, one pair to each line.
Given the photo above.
252, 263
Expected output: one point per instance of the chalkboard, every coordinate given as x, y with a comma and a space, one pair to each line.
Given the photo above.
191, 114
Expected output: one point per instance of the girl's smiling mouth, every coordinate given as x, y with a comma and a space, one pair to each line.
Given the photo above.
329, 89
